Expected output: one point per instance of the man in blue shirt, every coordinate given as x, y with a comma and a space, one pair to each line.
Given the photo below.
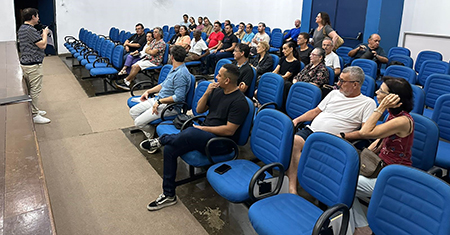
247, 39
293, 33
174, 89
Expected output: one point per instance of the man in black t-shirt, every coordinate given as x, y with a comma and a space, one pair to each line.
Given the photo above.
241, 52
228, 109
224, 49
136, 41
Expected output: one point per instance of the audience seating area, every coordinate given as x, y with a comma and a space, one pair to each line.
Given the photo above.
102, 56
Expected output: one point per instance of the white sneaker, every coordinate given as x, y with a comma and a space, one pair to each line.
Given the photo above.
38, 119
126, 82
42, 112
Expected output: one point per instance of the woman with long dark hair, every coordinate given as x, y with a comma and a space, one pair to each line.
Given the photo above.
396, 135
323, 30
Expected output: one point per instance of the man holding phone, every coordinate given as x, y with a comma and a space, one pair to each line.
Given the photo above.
228, 109
32, 46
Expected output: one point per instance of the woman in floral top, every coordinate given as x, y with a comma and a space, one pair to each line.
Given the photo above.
315, 72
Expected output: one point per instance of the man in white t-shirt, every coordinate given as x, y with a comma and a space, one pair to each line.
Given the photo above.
197, 48
331, 58
344, 110
260, 36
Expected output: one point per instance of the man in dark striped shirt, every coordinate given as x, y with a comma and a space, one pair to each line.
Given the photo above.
32, 45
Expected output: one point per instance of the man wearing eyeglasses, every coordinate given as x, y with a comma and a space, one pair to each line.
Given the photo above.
136, 41
344, 110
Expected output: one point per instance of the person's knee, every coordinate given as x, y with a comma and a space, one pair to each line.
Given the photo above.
298, 142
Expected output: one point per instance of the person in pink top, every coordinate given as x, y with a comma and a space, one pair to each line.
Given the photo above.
396, 135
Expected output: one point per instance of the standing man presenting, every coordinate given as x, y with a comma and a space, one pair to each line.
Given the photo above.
32, 46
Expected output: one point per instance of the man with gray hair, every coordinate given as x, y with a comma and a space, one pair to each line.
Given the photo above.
341, 111
331, 58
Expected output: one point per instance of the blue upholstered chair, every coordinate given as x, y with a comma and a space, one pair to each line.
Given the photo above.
426, 55
419, 100
276, 42
343, 52
331, 75
429, 67
426, 139
441, 116
275, 60
401, 72
435, 86
368, 87
328, 170
399, 51
409, 201
368, 66
271, 142
270, 90
302, 97
276, 30
219, 65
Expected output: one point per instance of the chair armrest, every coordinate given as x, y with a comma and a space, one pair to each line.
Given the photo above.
135, 86
99, 60
185, 124
220, 139
259, 176
299, 126
324, 221
90, 53
171, 106
69, 37
361, 143
265, 106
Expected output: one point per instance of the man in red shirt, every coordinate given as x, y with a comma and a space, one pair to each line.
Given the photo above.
214, 41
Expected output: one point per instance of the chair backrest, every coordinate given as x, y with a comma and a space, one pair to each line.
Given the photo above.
368, 86
399, 51
199, 91
406, 60
166, 54
286, 31
165, 28
146, 30
426, 55
329, 168
435, 86
109, 50
117, 57
275, 60
399, 71
409, 201
331, 75
441, 115
255, 29
191, 35
302, 97
172, 30
219, 65
104, 48
277, 40
426, 139
115, 35
341, 63
267, 29
111, 32
270, 89
274, 127
244, 129
251, 89
166, 37
429, 67
190, 93
276, 30
204, 36
368, 66
419, 99
302, 65
127, 36
99, 45
343, 52
165, 70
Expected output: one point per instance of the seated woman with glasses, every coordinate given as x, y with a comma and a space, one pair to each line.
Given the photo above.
396, 135
315, 72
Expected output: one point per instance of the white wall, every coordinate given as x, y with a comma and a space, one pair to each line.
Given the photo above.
99, 16
8, 23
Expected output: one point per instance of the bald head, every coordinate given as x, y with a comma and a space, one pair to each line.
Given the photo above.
297, 23
374, 41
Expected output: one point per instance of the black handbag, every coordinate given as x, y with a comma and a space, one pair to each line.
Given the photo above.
180, 119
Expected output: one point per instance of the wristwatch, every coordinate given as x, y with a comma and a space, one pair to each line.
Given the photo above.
159, 102
342, 135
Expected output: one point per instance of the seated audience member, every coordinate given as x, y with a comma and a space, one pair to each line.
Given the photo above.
263, 61
228, 109
185, 21
260, 36
225, 23
294, 32
197, 48
184, 39
200, 25
342, 110
207, 28
224, 49
304, 50
315, 72
215, 38
154, 58
371, 51
192, 24
247, 39
394, 140
331, 59
136, 41
288, 67
175, 36
174, 89
135, 56
241, 52
241, 31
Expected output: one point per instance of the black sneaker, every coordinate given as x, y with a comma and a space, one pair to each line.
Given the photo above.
161, 202
151, 145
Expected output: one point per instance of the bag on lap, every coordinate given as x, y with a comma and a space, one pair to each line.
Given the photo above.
181, 119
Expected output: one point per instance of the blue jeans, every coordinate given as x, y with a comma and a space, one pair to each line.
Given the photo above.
176, 145
211, 59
